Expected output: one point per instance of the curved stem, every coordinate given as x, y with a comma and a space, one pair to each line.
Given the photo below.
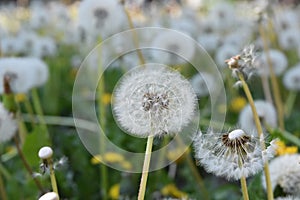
146, 165
28, 168
260, 134
289, 104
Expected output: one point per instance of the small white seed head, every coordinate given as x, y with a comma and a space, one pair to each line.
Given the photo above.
236, 134
45, 153
49, 196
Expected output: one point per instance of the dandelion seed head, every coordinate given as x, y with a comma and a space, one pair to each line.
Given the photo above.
49, 196
285, 172
230, 155
291, 78
8, 125
153, 100
45, 152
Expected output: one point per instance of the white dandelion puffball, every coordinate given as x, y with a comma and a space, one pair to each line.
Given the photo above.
285, 172
278, 60
25, 73
49, 196
100, 17
203, 83
230, 155
153, 100
45, 152
172, 49
289, 39
265, 111
8, 125
288, 198
291, 78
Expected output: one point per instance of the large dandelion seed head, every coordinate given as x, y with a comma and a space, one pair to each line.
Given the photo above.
230, 155
153, 100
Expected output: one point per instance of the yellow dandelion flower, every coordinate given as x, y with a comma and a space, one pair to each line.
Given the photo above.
113, 157
20, 98
172, 190
126, 165
282, 149
237, 104
106, 98
114, 191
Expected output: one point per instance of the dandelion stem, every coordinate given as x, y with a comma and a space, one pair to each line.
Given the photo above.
52, 177
274, 81
101, 105
38, 109
135, 38
260, 133
25, 163
266, 89
146, 165
289, 104
3, 194
244, 188
198, 177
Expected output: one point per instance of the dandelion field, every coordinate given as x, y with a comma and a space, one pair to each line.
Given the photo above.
173, 99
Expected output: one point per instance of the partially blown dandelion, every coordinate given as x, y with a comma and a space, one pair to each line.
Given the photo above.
8, 125
231, 155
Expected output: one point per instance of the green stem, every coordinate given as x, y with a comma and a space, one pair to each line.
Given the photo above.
52, 177
198, 177
29, 110
3, 194
102, 107
38, 109
146, 165
259, 132
274, 81
289, 104
28, 168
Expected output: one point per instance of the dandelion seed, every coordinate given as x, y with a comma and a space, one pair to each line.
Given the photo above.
8, 125
232, 155
153, 100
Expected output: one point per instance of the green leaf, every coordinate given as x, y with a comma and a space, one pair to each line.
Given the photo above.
33, 142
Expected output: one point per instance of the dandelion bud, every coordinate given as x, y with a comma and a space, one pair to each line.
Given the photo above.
45, 153
49, 196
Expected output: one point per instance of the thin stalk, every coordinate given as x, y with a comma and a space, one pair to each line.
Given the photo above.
102, 106
194, 170
3, 194
274, 81
266, 89
135, 38
52, 177
198, 177
39, 110
260, 133
146, 165
25, 163
243, 182
289, 104
29, 110
244, 188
